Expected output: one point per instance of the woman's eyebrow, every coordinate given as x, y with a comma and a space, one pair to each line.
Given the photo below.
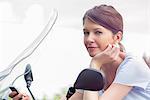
98, 28
84, 29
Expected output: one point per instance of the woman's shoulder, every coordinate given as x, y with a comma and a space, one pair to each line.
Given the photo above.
133, 62
133, 68
133, 72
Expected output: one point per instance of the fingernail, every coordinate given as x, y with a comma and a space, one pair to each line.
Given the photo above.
110, 45
117, 45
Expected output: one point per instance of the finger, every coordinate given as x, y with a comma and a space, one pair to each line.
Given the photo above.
108, 48
18, 97
25, 97
114, 53
117, 45
115, 50
13, 94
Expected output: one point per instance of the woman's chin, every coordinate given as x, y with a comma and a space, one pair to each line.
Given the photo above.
92, 54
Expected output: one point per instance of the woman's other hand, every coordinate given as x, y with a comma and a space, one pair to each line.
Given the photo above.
19, 96
146, 58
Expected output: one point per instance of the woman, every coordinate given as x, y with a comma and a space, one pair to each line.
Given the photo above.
125, 77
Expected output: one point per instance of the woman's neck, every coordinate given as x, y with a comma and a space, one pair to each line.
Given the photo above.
110, 70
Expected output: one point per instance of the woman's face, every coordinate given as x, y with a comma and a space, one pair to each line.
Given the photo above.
96, 37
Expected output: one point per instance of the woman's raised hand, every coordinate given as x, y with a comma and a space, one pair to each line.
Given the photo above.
109, 55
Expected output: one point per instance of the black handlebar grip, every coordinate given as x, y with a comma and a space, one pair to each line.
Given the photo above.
89, 79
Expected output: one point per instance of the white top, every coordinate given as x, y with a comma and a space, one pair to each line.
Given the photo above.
134, 72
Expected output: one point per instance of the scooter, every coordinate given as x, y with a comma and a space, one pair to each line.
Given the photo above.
24, 55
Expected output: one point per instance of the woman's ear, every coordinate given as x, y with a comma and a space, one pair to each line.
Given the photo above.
118, 36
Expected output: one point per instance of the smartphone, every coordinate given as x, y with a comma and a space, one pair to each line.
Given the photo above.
12, 88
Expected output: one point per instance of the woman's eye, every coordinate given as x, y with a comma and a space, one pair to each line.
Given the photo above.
98, 32
86, 33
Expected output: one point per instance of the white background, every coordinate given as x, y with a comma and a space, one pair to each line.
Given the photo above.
61, 56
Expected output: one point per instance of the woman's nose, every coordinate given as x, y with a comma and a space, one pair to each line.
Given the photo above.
90, 38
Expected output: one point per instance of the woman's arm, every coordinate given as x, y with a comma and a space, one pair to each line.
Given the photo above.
90, 95
77, 96
114, 92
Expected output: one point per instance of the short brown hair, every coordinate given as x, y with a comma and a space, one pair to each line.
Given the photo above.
106, 16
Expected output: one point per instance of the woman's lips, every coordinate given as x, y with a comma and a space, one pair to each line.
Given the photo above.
91, 48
